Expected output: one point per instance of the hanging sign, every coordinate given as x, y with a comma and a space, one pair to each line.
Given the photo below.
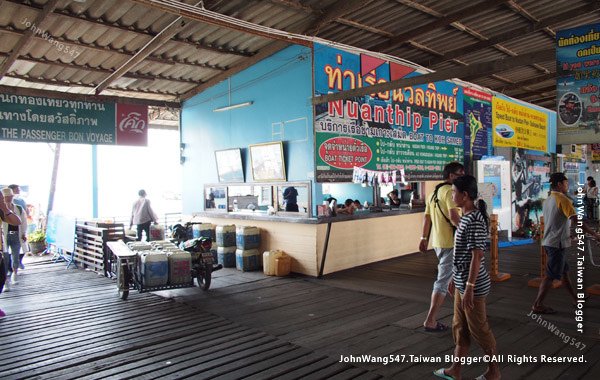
517, 126
39, 119
373, 178
578, 84
417, 129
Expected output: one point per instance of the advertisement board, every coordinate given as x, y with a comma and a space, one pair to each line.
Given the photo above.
517, 126
417, 129
578, 84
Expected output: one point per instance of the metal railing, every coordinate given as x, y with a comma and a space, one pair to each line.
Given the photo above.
167, 220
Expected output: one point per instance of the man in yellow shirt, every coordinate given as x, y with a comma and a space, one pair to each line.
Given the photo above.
441, 218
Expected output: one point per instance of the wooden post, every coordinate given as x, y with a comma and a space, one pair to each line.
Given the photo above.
535, 282
494, 272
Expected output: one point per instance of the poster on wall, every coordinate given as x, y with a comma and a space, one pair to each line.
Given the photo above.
517, 126
575, 152
531, 183
496, 174
417, 129
595, 153
578, 84
492, 175
40, 119
478, 124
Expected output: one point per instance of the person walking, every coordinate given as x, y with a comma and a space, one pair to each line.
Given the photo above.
20, 202
142, 216
6, 215
591, 199
558, 210
471, 282
441, 217
13, 235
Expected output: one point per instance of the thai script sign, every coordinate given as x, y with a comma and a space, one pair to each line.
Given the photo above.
517, 126
39, 119
578, 84
417, 129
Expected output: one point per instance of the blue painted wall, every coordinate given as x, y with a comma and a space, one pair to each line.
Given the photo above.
280, 87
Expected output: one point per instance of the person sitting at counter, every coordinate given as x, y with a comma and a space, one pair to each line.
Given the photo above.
347, 208
357, 205
394, 199
290, 196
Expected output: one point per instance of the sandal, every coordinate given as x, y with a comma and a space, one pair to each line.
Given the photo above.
441, 373
439, 327
546, 310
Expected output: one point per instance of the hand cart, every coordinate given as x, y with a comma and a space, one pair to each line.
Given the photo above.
125, 266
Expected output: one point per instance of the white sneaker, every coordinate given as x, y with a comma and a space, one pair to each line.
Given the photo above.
13, 279
6, 286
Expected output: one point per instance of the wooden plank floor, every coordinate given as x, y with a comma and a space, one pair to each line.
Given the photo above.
69, 324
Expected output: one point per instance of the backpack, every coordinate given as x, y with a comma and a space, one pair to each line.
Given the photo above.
435, 199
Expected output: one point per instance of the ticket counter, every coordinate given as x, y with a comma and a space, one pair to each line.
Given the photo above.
354, 240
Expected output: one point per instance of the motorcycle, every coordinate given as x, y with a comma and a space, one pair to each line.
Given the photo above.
203, 263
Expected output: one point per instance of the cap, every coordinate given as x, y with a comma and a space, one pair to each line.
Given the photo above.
7, 192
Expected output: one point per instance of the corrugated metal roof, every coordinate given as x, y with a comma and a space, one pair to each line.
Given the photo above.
78, 45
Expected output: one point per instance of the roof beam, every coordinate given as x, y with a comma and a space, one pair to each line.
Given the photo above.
165, 35
214, 18
516, 33
265, 52
337, 9
525, 83
476, 69
26, 37
66, 13
537, 92
106, 49
74, 66
11, 90
436, 24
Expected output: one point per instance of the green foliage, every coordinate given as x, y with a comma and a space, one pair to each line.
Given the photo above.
36, 236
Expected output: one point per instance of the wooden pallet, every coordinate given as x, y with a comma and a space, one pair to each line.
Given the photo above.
90, 245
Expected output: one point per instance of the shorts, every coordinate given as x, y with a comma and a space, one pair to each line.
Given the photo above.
556, 264
445, 257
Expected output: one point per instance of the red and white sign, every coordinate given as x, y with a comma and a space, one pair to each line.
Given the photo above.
132, 124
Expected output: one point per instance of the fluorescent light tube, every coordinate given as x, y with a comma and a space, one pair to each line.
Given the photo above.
233, 106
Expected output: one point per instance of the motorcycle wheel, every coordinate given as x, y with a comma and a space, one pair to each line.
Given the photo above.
204, 277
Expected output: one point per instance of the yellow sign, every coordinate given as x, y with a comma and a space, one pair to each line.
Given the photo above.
517, 126
575, 153
595, 153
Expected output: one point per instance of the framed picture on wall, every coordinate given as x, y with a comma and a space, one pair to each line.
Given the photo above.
267, 161
229, 165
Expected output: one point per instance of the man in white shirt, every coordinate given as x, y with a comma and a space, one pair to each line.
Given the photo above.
142, 215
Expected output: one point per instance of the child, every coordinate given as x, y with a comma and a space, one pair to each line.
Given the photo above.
471, 282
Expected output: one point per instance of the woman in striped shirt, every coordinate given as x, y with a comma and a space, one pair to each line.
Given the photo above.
471, 281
